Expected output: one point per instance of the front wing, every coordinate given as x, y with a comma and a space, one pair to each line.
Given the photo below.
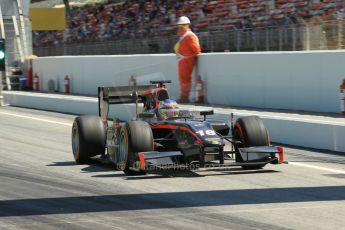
251, 156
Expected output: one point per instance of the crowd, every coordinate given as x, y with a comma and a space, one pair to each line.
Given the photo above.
156, 18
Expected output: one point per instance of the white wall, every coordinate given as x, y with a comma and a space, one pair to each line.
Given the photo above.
285, 80
89, 72
306, 81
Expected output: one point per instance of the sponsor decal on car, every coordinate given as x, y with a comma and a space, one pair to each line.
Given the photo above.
213, 140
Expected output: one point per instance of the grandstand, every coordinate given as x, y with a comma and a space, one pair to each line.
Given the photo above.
243, 24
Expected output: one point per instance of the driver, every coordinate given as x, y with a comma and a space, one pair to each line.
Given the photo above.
167, 108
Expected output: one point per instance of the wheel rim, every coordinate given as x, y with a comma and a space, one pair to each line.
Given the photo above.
75, 140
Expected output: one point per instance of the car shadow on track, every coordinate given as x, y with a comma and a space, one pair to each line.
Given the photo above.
151, 175
97, 167
91, 167
63, 163
185, 174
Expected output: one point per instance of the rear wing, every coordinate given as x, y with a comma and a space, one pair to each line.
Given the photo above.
119, 95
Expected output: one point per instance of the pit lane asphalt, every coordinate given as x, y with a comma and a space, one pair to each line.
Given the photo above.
42, 188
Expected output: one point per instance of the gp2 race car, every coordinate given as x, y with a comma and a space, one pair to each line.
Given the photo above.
153, 139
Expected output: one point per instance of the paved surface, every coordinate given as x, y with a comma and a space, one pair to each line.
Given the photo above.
42, 188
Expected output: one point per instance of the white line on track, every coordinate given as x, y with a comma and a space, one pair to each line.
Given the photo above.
317, 167
36, 119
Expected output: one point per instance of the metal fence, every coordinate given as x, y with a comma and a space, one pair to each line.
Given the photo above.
327, 35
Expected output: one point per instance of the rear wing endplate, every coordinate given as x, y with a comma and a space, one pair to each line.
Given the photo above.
119, 95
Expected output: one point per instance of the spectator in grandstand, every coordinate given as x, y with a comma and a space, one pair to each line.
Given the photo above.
146, 19
187, 50
341, 13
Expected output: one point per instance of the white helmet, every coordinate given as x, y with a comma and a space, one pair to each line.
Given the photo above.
183, 21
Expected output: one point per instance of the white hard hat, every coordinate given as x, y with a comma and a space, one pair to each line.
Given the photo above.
183, 21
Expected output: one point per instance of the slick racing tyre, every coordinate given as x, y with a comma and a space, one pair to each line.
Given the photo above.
135, 136
88, 138
251, 132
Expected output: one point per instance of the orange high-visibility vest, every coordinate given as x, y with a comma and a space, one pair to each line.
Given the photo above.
188, 46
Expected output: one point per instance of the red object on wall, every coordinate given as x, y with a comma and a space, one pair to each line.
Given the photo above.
199, 89
342, 98
67, 84
36, 83
29, 79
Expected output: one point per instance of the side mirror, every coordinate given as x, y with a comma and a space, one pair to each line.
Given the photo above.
206, 112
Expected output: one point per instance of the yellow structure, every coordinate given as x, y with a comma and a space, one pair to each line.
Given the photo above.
48, 18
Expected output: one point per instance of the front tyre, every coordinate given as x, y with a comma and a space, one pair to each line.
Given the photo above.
135, 136
251, 131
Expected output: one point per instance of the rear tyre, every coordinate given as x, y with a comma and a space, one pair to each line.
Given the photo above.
88, 138
135, 136
251, 132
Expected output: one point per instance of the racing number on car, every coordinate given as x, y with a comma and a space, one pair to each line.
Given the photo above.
209, 132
